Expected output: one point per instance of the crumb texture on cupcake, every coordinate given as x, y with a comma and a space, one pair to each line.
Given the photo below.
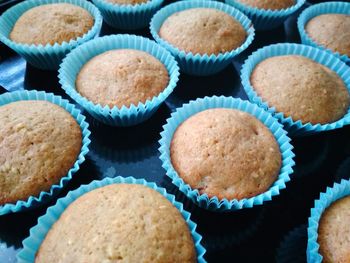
39, 143
301, 88
225, 153
122, 77
119, 223
334, 232
127, 2
203, 31
269, 4
51, 23
331, 31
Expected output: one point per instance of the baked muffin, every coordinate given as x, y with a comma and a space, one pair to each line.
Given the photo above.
301, 88
39, 143
334, 232
119, 223
127, 2
51, 23
122, 77
331, 31
203, 31
269, 4
225, 153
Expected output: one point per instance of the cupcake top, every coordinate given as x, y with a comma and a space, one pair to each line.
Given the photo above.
122, 77
225, 153
331, 31
301, 88
203, 31
39, 143
127, 2
269, 4
334, 232
119, 223
51, 23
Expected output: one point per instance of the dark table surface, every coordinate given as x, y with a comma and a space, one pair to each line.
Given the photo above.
274, 232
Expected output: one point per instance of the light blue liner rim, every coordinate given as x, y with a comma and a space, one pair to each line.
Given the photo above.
124, 116
48, 56
295, 128
128, 16
319, 9
214, 204
35, 201
338, 191
45, 222
266, 19
197, 64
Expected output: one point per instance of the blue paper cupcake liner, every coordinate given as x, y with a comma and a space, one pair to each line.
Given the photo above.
316, 10
266, 19
46, 57
197, 64
295, 128
124, 116
128, 17
35, 201
38, 232
331, 195
214, 204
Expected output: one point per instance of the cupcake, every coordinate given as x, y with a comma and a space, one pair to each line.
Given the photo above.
334, 231
51, 23
124, 220
326, 26
43, 32
225, 153
128, 14
120, 80
122, 77
306, 88
289, 84
331, 31
266, 14
40, 142
203, 35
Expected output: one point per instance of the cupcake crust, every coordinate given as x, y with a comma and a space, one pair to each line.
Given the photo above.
127, 2
334, 232
122, 77
119, 223
39, 143
269, 4
225, 153
51, 23
301, 88
203, 31
331, 31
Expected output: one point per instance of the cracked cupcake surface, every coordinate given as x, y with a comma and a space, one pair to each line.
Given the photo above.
51, 23
119, 223
301, 88
203, 30
225, 153
39, 143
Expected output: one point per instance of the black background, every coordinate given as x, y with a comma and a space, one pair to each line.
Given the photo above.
274, 232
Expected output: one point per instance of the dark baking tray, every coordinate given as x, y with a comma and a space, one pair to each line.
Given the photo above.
275, 232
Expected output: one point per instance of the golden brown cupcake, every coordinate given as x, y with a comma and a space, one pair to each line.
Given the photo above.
203, 31
127, 2
122, 77
51, 23
39, 143
119, 223
334, 232
331, 31
225, 153
269, 4
301, 88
